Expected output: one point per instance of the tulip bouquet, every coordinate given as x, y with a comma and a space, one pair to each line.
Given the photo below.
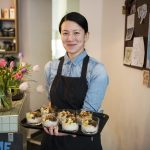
14, 75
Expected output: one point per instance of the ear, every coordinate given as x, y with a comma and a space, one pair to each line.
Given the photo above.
86, 36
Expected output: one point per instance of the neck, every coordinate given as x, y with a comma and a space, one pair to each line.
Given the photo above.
72, 56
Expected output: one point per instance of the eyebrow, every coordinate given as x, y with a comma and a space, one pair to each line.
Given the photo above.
73, 30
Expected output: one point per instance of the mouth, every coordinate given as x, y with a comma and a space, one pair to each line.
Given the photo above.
71, 45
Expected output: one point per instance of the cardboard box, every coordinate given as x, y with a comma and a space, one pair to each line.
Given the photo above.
5, 13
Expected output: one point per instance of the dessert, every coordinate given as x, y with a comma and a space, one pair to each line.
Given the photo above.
90, 125
62, 115
44, 110
47, 109
70, 124
84, 115
49, 120
67, 120
33, 117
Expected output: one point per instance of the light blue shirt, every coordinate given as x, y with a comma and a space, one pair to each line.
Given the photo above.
97, 78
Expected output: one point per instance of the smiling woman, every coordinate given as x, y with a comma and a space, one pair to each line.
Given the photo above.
75, 81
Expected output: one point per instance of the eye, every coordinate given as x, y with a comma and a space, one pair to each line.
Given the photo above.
76, 33
65, 33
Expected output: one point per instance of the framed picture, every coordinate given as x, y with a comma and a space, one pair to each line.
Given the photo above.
137, 35
127, 56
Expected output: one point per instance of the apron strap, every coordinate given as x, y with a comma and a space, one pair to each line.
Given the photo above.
84, 66
60, 65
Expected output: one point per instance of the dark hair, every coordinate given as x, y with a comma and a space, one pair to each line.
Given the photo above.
76, 17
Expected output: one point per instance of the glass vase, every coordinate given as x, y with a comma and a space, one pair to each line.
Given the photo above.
16, 94
5, 102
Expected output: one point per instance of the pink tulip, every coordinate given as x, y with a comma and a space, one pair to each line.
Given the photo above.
20, 55
3, 63
24, 86
23, 64
36, 68
12, 64
18, 75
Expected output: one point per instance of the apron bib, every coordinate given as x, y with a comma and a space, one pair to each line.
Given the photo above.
69, 93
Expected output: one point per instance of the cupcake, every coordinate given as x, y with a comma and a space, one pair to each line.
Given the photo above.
49, 120
33, 117
62, 115
44, 110
90, 126
47, 110
83, 115
70, 124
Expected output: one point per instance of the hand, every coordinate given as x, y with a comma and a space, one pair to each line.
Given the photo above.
54, 131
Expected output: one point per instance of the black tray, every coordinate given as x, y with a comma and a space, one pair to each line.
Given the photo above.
102, 121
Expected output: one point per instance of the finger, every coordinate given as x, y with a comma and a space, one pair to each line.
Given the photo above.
56, 130
49, 104
51, 130
46, 130
74, 135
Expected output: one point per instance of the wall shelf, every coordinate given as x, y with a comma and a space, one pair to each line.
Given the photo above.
9, 40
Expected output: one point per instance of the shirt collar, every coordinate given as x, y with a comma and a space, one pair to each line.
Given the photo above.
76, 60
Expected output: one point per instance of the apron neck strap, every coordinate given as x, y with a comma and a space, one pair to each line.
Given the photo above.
84, 66
60, 65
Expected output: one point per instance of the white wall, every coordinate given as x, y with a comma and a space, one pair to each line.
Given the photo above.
92, 10
35, 41
127, 101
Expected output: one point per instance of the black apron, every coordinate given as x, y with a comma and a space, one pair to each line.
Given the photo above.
69, 93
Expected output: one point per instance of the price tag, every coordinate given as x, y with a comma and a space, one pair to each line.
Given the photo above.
10, 137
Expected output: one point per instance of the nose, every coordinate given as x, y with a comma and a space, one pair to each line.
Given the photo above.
70, 37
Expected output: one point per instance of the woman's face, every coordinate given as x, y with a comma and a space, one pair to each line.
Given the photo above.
73, 38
